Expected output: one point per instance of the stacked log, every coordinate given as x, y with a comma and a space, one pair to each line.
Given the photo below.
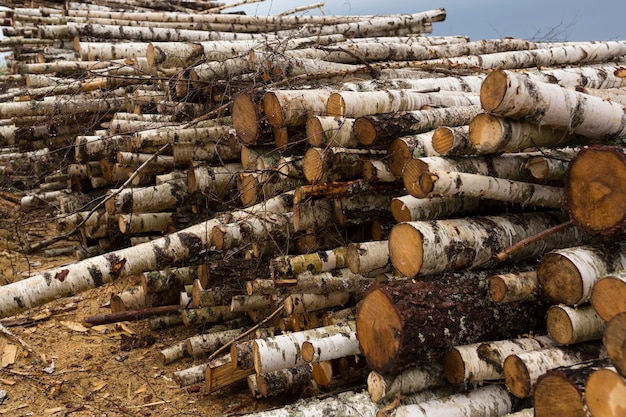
285, 190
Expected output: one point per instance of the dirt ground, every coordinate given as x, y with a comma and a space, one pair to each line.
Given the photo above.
79, 371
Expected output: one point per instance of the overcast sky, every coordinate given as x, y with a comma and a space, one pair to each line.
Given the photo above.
573, 20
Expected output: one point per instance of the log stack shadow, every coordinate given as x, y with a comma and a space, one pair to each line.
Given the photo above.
346, 204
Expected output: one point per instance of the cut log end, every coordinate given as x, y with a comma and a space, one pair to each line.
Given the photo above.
555, 396
559, 325
247, 186
615, 342
272, 109
245, 119
516, 377
315, 132
379, 328
605, 392
411, 176
454, 367
497, 288
560, 279
400, 211
595, 189
405, 249
313, 166
443, 140
397, 156
485, 132
493, 90
608, 297
364, 131
308, 352
335, 106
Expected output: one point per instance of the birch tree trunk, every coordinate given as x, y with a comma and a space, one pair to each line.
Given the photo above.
293, 107
331, 347
432, 247
452, 141
514, 286
509, 94
569, 325
411, 380
409, 208
607, 295
568, 275
368, 256
521, 370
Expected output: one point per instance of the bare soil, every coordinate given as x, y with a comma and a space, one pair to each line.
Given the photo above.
77, 370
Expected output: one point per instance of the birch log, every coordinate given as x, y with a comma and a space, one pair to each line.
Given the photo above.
289, 265
614, 340
411, 380
605, 391
608, 295
405, 322
403, 149
330, 131
431, 247
368, 256
521, 370
594, 189
449, 184
505, 93
568, 326
478, 362
514, 286
568, 275
409, 208
284, 351
293, 107
452, 141
331, 347
489, 400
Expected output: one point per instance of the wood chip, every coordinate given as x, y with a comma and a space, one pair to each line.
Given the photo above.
72, 325
9, 353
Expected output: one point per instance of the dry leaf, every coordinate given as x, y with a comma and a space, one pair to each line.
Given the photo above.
9, 353
72, 325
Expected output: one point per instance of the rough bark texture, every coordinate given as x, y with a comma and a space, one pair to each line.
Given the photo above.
401, 323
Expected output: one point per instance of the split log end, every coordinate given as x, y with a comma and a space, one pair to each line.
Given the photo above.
493, 90
516, 377
364, 131
405, 249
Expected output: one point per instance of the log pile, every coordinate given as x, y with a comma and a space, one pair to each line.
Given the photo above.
337, 201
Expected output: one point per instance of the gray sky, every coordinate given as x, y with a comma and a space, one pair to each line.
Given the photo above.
573, 20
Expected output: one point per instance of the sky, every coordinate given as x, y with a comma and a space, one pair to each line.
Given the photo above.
547, 20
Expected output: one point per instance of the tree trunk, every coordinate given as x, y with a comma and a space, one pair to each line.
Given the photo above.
485, 401
514, 286
333, 164
605, 391
568, 275
614, 340
338, 280
561, 391
431, 247
216, 180
284, 351
404, 322
449, 184
62, 105
410, 381
608, 295
594, 188
515, 95
478, 362
145, 222
521, 370
357, 104
380, 128
368, 256
568, 326
490, 134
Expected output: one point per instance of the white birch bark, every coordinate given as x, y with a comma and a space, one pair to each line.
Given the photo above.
489, 400
366, 257
148, 199
322, 131
569, 325
449, 184
144, 222
204, 344
284, 351
293, 107
305, 303
289, 265
330, 347
338, 280
173, 353
513, 286
58, 105
467, 83
409, 381
403, 149
217, 180
513, 95
408, 208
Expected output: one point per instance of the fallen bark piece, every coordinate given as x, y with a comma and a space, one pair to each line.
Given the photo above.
431, 247
510, 94
569, 325
521, 370
561, 391
594, 189
401, 323
489, 400
614, 340
568, 275
412, 380
605, 391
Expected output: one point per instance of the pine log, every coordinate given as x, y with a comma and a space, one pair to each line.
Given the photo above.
568, 275
448, 184
491, 134
489, 400
376, 129
514, 286
561, 391
401, 323
284, 351
509, 94
410, 381
608, 295
478, 362
605, 391
594, 188
521, 370
430, 247
569, 325
614, 340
